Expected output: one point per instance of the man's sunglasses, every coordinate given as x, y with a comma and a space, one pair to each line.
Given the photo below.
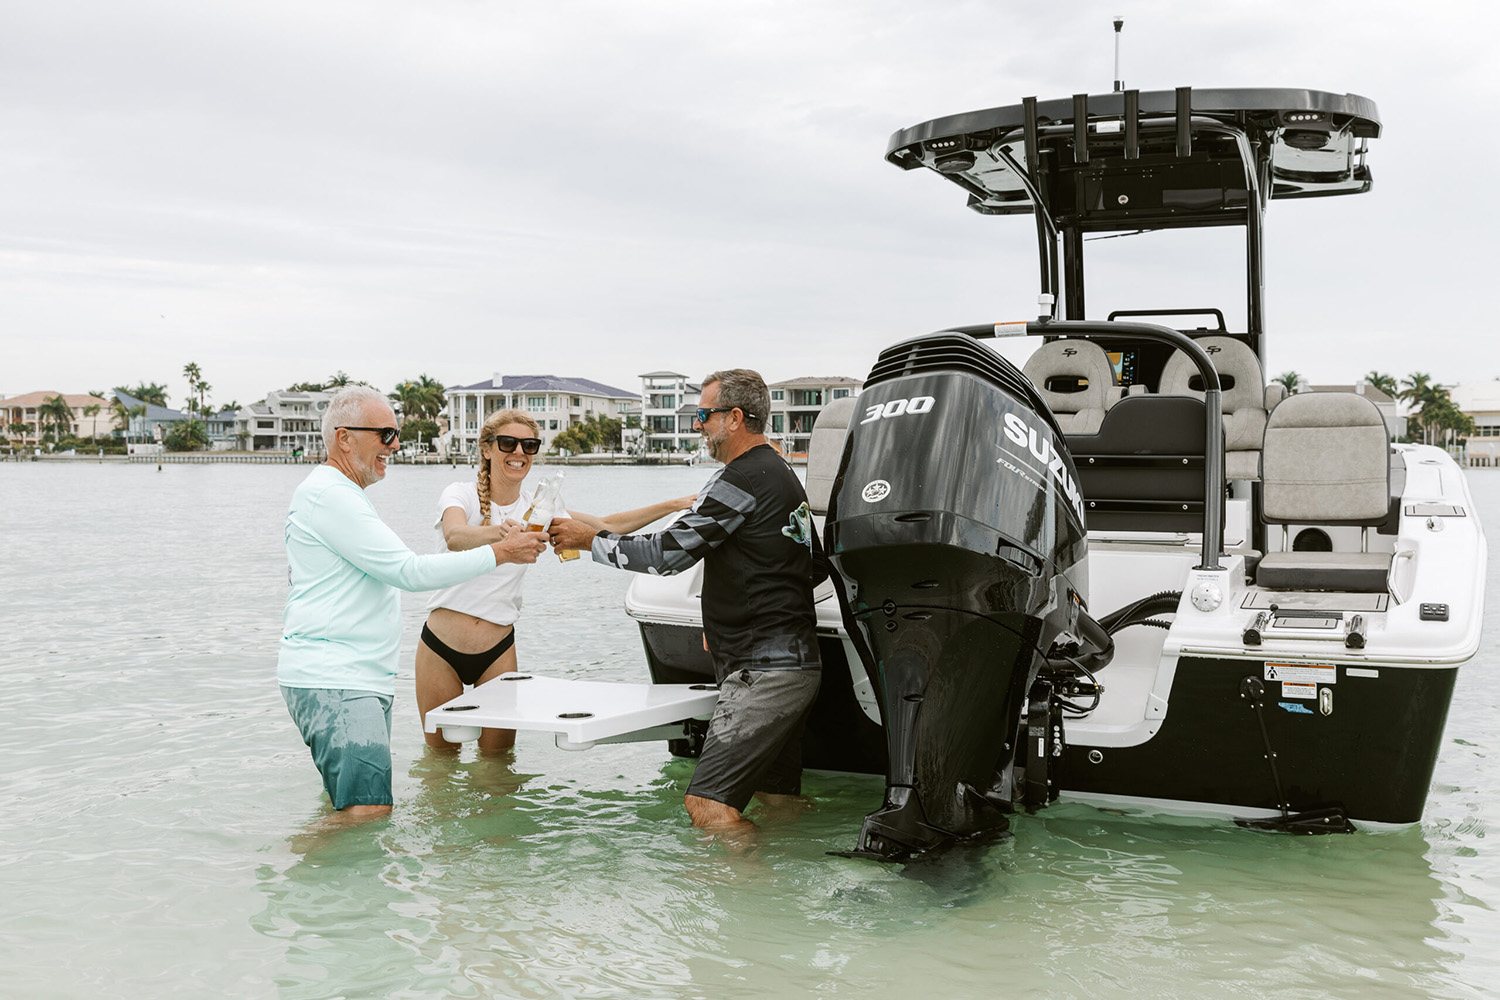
387, 434
507, 444
704, 412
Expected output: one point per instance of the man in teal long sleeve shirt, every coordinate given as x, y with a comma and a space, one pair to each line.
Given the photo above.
341, 633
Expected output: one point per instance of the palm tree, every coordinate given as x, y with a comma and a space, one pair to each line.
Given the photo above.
338, 380
92, 410
432, 389
1385, 383
1291, 380
193, 374
197, 386
54, 414
149, 392
420, 399
124, 414
1418, 391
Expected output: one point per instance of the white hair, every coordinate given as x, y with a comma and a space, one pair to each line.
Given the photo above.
347, 407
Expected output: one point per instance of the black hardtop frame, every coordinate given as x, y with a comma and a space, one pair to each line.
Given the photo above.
1140, 161
1264, 104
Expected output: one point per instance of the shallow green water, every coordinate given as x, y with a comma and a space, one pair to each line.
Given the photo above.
155, 838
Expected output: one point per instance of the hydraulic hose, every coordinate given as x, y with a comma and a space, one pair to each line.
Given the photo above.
1138, 611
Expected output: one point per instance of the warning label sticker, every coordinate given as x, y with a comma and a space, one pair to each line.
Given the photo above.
1303, 673
1306, 692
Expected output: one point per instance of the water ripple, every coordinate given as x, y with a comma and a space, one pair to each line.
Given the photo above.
162, 833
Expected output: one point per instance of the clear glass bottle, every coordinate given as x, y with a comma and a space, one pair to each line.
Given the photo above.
545, 504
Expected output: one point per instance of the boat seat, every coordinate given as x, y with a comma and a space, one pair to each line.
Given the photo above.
1326, 461
1244, 398
1076, 381
1144, 469
825, 449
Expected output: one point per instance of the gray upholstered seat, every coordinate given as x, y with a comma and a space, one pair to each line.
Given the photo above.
1244, 401
1076, 381
825, 450
1326, 461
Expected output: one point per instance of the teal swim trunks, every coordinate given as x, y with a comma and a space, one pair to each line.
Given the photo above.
349, 734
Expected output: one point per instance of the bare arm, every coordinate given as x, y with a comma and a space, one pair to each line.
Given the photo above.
718, 511
627, 521
461, 535
509, 543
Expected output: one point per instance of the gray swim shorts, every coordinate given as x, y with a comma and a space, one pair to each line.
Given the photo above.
754, 742
349, 734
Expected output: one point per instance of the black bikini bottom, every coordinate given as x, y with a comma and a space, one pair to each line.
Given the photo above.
468, 666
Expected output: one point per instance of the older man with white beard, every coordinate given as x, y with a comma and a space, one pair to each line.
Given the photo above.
341, 631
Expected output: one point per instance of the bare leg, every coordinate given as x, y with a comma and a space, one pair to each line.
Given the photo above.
715, 816
493, 741
350, 815
436, 683
325, 829
779, 808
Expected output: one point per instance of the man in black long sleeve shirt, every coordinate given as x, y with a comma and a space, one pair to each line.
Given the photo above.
752, 527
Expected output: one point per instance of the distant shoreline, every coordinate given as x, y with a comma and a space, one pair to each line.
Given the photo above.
252, 458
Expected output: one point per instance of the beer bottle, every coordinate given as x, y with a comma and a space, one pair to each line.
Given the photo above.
563, 555
545, 505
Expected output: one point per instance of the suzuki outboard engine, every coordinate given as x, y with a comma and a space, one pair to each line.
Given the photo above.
957, 528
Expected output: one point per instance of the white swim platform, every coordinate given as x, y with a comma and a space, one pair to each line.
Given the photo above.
579, 713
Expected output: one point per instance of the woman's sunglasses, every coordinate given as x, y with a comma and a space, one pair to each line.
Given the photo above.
387, 434
507, 444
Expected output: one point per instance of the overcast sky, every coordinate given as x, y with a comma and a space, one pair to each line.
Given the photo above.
276, 190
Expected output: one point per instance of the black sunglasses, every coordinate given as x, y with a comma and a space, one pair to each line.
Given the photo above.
507, 444
704, 412
387, 434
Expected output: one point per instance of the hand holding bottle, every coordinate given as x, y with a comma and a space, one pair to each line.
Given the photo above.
545, 511
570, 534
519, 547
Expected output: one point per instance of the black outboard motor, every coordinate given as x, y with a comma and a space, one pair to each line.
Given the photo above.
957, 528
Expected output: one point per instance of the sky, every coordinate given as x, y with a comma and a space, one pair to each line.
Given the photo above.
278, 190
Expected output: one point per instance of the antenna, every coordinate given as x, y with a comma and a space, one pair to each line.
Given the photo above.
1119, 23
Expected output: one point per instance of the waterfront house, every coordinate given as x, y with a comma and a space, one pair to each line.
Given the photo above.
555, 402
1481, 401
796, 403
285, 420
668, 404
152, 423
91, 417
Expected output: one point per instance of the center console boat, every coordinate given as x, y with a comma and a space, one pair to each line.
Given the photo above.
1131, 571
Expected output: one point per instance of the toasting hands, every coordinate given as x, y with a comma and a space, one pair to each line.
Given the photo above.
571, 533
517, 545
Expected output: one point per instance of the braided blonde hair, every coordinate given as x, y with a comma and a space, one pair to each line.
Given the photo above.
487, 434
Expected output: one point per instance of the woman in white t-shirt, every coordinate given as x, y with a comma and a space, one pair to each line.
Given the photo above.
469, 636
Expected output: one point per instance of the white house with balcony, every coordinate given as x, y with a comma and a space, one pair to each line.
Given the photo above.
668, 404
556, 403
795, 405
20, 415
284, 421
